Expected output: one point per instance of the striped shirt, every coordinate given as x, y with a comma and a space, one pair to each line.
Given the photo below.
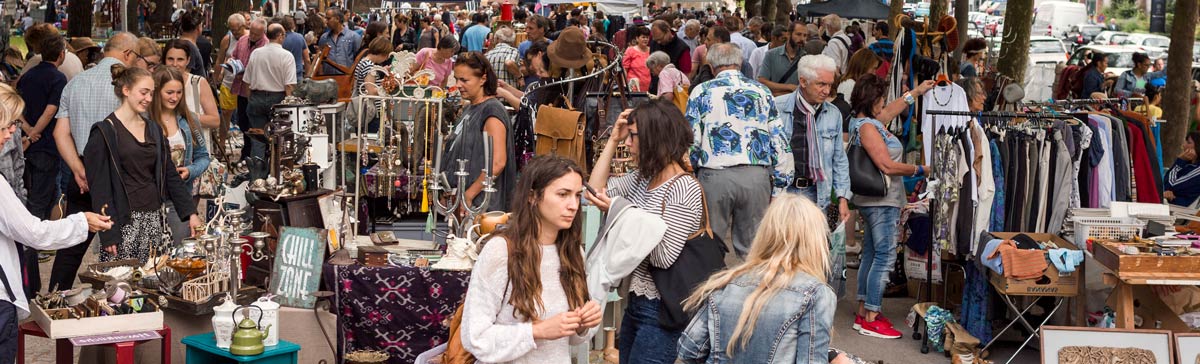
87, 99
678, 202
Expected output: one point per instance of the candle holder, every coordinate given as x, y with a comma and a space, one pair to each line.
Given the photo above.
226, 245
460, 250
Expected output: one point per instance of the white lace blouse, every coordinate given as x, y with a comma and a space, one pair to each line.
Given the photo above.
490, 330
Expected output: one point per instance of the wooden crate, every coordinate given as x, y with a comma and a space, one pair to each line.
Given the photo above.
1145, 266
61, 329
1050, 284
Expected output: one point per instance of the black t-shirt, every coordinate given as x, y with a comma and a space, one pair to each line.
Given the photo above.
137, 167
206, 51
40, 87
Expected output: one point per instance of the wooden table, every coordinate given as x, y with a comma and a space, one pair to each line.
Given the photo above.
1142, 269
65, 353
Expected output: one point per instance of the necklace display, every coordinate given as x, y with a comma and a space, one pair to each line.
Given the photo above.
939, 102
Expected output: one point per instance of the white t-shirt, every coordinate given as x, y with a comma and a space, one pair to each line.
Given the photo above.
70, 67
845, 89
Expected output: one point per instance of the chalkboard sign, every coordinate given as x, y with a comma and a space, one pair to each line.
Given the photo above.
297, 272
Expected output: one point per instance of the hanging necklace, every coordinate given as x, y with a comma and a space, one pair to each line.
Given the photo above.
939, 102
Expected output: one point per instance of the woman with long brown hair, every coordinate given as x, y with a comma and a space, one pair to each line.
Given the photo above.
181, 128
528, 300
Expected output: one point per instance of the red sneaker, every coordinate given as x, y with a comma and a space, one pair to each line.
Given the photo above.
859, 320
879, 329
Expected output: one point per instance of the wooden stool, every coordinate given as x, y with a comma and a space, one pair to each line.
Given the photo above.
202, 349
65, 350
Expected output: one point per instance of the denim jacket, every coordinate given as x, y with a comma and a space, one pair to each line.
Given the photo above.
196, 153
794, 327
1127, 83
833, 153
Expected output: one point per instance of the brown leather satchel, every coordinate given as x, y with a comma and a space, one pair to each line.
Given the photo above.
455, 353
560, 131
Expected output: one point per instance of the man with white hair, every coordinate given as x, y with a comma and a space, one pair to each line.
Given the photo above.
689, 33
740, 147
237, 28
503, 57
838, 47
814, 129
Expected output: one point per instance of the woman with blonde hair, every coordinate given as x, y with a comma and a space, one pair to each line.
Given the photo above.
777, 299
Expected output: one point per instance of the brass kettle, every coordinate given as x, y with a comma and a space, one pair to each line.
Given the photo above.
248, 338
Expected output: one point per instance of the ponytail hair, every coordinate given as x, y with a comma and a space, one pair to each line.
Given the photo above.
124, 77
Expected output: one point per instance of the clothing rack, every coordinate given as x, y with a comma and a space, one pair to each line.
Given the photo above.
1081, 102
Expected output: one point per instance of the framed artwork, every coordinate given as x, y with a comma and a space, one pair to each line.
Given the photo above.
1187, 348
1080, 345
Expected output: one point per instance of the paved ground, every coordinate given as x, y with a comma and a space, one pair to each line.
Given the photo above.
904, 350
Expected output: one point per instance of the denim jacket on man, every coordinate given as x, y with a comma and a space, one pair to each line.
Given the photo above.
794, 326
833, 154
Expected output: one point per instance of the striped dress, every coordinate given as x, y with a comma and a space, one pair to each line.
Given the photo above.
678, 202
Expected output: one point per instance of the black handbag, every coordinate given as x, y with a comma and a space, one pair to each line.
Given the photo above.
865, 178
703, 254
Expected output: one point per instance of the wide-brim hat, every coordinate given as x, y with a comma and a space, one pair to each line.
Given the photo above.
570, 49
80, 43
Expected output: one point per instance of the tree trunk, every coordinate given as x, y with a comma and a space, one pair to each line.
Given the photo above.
220, 15
79, 15
768, 9
937, 9
961, 16
897, 7
1178, 94
132, 8
783, 8
1014, 56
752, 8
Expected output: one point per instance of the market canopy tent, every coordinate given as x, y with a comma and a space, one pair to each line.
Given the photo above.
621, 2
849, 9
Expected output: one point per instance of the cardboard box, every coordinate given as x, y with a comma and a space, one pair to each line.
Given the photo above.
1049, 284
61, 329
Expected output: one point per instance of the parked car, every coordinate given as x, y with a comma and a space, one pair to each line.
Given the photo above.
1120, 58
1153, 45
1046, 50
973, 31
1084, 33
994, 26
1109, 37
1055, 18
922, 10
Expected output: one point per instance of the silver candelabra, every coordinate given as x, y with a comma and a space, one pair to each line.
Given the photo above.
459, 200
226, 245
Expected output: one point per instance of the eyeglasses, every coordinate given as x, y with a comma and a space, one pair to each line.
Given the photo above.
149, 65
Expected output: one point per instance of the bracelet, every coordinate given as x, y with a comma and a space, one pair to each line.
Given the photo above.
909, 99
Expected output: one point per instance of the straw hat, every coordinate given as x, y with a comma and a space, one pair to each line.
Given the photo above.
565, 51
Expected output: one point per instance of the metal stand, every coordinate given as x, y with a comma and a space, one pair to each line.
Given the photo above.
1020, 317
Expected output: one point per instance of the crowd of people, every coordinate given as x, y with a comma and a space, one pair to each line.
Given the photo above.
746, 135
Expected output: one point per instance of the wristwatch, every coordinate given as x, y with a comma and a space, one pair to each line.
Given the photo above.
909, 99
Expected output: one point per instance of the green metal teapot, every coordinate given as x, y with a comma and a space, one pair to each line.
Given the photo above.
248, 338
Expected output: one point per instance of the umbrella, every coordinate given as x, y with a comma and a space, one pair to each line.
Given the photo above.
849, 9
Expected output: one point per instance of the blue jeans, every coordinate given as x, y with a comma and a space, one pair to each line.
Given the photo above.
810, 192
642, 340
878, 254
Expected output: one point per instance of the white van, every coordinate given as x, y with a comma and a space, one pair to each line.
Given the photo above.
1055, 18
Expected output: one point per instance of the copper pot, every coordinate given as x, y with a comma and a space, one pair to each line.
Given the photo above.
488, 221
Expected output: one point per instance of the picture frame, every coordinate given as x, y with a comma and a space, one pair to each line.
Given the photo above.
1187, 348
1159, 343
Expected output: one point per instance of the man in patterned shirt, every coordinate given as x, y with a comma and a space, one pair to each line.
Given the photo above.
503, 57
740, 150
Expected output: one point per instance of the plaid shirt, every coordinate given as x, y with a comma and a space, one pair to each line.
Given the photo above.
87, 99
497, 56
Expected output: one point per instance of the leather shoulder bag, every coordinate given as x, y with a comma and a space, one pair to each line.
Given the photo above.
703, 254
865, 178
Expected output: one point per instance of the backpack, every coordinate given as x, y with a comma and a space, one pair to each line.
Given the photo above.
1077, 83
1065, 85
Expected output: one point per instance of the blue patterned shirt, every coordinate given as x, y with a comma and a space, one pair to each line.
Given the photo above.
734, 122
87, 99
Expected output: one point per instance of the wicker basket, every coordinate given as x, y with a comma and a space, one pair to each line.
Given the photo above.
1116, 228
